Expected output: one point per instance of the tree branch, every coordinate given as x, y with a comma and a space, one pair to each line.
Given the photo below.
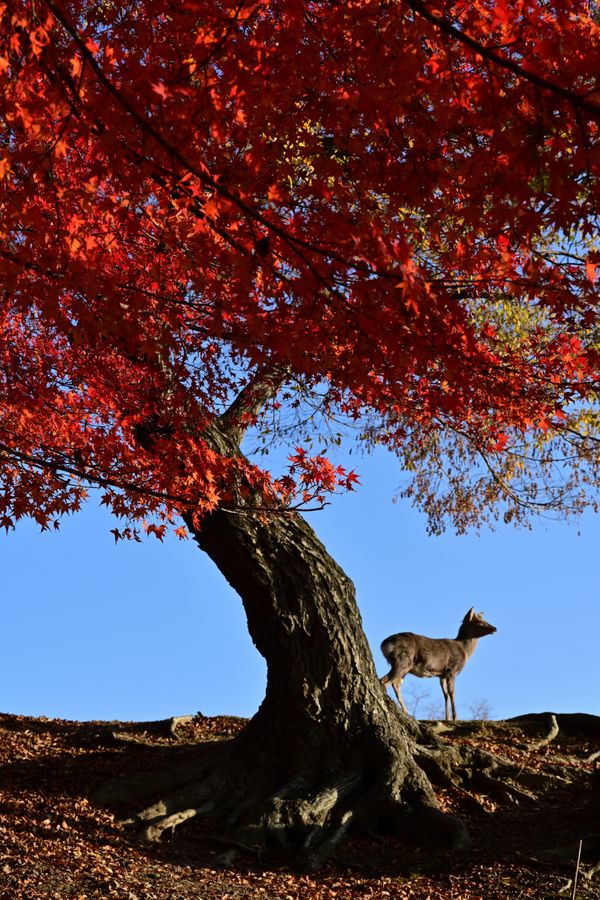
263, 386
60, 468
576, 100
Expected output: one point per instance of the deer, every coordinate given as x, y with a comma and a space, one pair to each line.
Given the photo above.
415, 654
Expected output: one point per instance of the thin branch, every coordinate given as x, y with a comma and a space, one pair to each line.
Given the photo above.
61, 468
182, 503
576, 100
579, 435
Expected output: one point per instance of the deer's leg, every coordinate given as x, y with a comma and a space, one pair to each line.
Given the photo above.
447, 696
396, 686
450, 683
395, 681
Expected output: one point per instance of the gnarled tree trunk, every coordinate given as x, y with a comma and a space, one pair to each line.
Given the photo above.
327, 750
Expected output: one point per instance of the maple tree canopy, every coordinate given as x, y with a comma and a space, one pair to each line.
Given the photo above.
382, 212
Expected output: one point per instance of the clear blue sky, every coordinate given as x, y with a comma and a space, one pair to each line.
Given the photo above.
94, 630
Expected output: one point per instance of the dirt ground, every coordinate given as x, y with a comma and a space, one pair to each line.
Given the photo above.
55, 843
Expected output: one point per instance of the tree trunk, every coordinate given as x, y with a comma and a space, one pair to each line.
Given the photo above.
328, 749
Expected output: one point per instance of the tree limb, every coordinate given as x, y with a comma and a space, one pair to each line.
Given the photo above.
576, 100
263, 386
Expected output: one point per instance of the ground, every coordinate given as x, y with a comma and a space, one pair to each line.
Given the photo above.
55, 842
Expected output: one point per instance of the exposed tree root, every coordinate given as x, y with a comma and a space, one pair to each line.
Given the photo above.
305, 813
154, 831
467, 768
303, 816
550, 735
294, 819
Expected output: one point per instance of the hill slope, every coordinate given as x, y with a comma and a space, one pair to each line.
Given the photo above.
56, 843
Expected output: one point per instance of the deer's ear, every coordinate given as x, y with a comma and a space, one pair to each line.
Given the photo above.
471, 613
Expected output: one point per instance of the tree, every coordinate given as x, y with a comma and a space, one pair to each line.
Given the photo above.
372, 220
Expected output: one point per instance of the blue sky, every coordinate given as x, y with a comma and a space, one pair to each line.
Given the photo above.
94, 630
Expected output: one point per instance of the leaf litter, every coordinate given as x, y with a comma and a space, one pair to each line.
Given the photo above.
55, 843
